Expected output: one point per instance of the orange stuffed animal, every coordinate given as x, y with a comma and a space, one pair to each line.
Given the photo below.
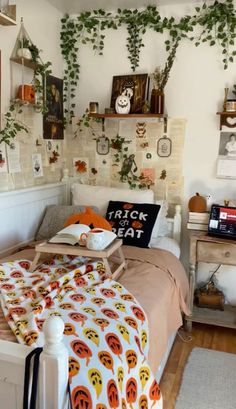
90, 218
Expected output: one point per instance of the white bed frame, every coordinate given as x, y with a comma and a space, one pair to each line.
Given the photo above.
53, 375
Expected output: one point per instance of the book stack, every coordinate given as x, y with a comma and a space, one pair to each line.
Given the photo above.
198, 221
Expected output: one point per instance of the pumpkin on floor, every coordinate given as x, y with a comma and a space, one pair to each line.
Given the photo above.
90, 218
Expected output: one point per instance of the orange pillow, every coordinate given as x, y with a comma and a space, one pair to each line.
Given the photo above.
89, 218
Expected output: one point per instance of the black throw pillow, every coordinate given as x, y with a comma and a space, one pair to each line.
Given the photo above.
133, 222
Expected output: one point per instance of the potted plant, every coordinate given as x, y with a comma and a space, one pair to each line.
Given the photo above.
159, 79
24, 50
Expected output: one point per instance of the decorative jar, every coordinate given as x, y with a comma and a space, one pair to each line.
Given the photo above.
157, 101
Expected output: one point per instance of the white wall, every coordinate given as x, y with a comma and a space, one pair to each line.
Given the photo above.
195, 91
42, 22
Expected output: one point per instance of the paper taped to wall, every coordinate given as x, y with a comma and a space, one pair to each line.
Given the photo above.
226, 168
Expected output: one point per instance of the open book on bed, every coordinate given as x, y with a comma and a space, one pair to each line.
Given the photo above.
78, 234
70, 234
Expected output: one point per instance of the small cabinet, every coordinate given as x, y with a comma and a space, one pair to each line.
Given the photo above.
209, 250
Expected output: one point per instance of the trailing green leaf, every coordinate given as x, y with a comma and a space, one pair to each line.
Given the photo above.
13, 124
216, 21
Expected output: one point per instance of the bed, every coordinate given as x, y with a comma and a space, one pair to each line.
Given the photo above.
145, 266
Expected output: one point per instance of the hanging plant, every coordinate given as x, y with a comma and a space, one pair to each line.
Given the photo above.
87, 121
217, 23
69, 37
40, 74
13, 124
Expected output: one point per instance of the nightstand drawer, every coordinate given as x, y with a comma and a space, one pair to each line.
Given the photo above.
219, 253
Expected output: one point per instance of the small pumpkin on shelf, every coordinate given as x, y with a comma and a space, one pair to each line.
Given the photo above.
197, 204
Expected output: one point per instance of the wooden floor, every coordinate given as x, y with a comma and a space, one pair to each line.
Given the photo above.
204, 336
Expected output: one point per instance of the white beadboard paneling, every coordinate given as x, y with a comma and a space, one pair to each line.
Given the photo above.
12, 361
21, 212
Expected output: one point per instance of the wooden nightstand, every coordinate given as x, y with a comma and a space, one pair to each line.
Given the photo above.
210, 250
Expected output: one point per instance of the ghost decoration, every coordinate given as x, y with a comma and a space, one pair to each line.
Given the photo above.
122, 104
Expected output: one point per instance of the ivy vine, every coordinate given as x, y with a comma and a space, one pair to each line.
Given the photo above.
214, 24
13, 124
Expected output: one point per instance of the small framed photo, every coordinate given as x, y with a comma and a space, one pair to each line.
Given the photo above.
37, 165
53, 127
103, 145
133, 86
164, 146
227, 145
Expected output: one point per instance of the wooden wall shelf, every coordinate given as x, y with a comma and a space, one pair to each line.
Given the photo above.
25, 62
127, 116
5, 20
104, 116
227, 119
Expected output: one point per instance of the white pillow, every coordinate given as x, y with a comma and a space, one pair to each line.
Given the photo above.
87, 195
165, 243
160, 228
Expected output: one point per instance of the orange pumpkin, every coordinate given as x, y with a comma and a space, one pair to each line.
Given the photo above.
82, 350
74, 366
143, 402
131, 358
90, 218
131, 390
101, 322
112, 394
154, 392
114, 344
78, 298
136, 224
81, 398
197, 203
131, 322
78, 317
138, 313
106, 359
110, 313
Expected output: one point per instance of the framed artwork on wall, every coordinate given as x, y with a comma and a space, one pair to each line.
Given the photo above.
103, 145
134, 86
53, 119
164, 146
227, 144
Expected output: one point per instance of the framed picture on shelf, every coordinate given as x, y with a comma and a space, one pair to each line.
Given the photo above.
53, 120
134, 86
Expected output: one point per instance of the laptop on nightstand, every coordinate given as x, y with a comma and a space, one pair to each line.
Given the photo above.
222, 222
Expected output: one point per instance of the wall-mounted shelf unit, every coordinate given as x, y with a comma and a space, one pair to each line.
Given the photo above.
5, 20
104, 116
127, 116
24, 62
227, 119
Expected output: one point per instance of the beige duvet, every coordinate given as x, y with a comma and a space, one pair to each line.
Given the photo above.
158, 281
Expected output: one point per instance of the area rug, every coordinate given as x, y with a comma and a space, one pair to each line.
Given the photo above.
209, 381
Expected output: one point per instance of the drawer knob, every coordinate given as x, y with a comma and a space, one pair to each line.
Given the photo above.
227, 254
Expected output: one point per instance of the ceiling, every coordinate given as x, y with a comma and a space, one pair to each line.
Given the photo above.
77, 6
